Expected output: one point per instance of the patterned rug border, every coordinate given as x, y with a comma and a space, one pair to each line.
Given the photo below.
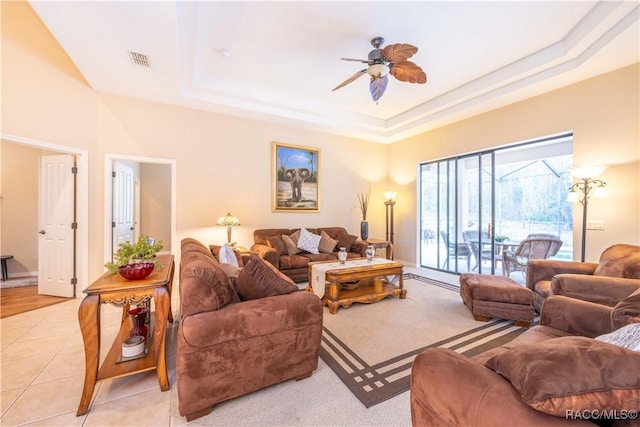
373, 384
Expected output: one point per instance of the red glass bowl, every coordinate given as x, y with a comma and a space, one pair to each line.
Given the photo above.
136, 271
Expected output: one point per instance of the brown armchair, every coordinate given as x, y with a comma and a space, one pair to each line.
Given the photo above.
615, 276
536, 378
529, 249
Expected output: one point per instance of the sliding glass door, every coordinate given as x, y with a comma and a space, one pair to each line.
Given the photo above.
476, 206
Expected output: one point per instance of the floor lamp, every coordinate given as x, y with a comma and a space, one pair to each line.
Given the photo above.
585, 186
390, 201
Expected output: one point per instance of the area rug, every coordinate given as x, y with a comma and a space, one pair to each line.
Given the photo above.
371, 347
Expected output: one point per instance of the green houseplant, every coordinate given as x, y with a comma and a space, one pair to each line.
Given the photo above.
144, 250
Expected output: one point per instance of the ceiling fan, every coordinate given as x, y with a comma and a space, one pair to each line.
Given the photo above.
382, 62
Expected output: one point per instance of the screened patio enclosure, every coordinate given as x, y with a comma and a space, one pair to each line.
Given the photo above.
475, 206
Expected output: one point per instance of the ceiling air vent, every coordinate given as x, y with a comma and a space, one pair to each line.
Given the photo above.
139, 59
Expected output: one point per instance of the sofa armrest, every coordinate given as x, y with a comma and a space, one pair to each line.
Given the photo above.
448, 389
267, 253
576, 316
599, 289
252, 318
545, 269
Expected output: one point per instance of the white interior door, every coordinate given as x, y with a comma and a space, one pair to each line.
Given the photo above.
57, 226
123, 204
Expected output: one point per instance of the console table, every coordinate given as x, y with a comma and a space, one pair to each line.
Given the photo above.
111, 288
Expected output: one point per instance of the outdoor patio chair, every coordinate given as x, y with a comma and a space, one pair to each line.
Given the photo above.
456, 250
528, 249
477, 246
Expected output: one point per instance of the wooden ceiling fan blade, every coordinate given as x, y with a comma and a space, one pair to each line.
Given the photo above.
407, 71
350, 79
377, 86
364, 61
399, 52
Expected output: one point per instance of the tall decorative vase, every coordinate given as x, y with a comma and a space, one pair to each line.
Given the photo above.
138, 318
364, 230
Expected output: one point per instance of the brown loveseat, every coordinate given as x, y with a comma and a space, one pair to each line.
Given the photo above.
553, 374
269, 245
615, 276
240, 330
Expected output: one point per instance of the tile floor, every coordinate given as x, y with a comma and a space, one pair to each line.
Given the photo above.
42, 372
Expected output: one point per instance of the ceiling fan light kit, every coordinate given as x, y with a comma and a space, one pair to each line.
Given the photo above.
382, 62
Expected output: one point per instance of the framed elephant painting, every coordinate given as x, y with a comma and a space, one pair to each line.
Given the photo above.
295, 178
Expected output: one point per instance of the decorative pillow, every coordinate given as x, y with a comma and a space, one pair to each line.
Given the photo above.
215, 251
619, 260
226, 256
291, 242
571, 373
627, 310
259, 279
277, 243
346, 240
327, 244
628, 337
308, 241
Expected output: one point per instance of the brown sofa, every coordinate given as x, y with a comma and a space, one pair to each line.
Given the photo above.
269, 245
616, 275
240, 330
552, 374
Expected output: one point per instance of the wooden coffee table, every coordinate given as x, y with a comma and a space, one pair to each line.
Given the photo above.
360, 282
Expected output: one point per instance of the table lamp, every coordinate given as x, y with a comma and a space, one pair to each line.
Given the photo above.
229, 221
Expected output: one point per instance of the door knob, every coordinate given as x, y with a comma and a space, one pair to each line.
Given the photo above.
42, 232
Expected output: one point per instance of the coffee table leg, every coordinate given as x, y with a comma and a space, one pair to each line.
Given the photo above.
403, 291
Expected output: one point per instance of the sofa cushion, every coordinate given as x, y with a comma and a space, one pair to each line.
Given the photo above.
289, 262
259, 279
192, 245
308, 241
619, 261
346, 240
204, 286
543, 287
277, 243
291, 242
628, 337
327, 244
572, 373
626, 311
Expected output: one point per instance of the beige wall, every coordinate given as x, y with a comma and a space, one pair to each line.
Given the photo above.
223, 163
155, 202
19, 190
603, 114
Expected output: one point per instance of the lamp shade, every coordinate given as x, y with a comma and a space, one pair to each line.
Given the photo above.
229, 220
390, 195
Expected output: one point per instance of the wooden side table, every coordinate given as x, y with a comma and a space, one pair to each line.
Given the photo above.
382, 244
111, 288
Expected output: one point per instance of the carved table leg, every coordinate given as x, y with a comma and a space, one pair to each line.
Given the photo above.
89, 318
160, 336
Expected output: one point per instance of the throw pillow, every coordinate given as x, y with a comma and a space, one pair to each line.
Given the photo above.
226, 256
308, 241
215, 251
277, 243
346, 240
260, 279
628, 337
627, 310
291, 242
327, 244
571, 373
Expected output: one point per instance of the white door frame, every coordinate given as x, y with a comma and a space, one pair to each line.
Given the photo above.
82, 200
109, 158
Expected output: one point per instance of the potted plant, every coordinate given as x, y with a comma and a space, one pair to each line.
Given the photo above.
363, 202
138, 257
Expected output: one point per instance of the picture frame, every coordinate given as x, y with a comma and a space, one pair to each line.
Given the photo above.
295, 178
